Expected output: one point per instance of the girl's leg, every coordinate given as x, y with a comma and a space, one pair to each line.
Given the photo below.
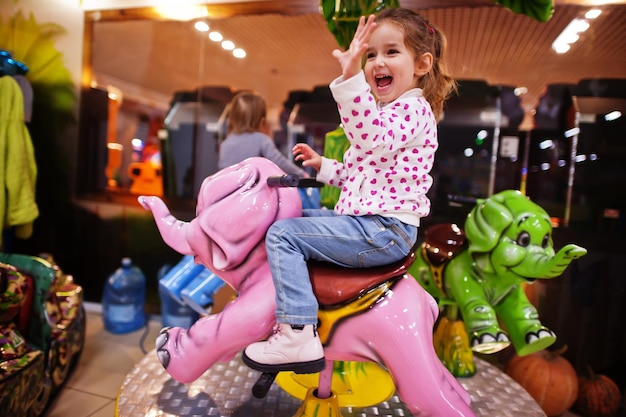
356, 242
319, 235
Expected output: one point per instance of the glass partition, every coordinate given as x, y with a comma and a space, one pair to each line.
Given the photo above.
153, 111
153, 114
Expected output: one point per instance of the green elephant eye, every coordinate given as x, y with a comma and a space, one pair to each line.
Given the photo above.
546, 241
523, 239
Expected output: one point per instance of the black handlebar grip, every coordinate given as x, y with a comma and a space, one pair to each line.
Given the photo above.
290, 180
310, 182
263, 384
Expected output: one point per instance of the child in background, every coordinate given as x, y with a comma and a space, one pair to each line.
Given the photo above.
247, 135
389, 110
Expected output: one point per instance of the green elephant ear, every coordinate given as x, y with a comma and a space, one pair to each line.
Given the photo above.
486, 222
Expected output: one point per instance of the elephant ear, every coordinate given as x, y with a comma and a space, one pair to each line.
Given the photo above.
486, 223
235, 208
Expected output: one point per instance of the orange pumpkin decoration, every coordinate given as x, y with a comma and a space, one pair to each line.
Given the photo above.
548, 377
598, 396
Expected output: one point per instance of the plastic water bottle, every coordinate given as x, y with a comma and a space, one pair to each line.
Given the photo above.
124, 298
174, 312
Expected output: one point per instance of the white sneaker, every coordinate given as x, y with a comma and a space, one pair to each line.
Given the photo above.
288, 349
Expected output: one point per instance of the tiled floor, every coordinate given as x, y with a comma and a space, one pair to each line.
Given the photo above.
92, 388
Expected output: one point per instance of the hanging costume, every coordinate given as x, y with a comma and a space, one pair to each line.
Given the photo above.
18, 169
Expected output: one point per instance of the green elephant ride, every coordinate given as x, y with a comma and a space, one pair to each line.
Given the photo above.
335, 145
507, 241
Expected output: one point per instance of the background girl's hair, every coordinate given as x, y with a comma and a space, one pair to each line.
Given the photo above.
421, 36
246, 112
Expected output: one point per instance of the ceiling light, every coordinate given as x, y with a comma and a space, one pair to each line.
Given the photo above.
216, 36
227, 45
181, 12
569, 35
578, 25
561, 48
239, 53
201, 26
593, 13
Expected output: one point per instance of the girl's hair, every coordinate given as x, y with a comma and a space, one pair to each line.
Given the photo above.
246, 112
420, 36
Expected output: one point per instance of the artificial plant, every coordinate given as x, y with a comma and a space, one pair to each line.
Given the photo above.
33, 44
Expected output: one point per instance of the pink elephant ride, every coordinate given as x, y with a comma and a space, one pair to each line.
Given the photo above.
379, 315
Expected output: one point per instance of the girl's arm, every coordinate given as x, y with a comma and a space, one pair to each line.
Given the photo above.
350, 60
307, 155
334, 172
271, 152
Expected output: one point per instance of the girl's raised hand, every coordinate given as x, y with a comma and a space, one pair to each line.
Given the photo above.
350, 60
307, 155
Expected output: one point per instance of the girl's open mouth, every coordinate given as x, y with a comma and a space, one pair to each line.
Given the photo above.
383, 81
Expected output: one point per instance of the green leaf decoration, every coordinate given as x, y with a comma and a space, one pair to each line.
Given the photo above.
33, 44
342, 16
540, 10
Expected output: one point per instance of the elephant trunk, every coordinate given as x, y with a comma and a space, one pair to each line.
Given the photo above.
172, 230
560, 261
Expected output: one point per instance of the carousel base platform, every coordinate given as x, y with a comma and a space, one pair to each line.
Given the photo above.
225, 390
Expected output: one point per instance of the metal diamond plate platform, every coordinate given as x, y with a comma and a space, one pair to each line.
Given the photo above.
225, 390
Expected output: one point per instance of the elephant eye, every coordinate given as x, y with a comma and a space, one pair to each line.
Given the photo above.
523, 239
546, 241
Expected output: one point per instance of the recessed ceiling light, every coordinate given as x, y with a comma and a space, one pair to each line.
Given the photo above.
216, 36
561, 48
201, 26
569, 35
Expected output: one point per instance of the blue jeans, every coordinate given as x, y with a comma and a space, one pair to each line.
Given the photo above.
349, 241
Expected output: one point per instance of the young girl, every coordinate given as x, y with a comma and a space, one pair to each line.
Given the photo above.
247, 135
389, 111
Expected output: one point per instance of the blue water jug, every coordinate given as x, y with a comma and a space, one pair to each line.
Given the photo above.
123, 299
174, 312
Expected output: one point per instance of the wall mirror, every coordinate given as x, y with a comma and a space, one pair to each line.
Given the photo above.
153, 115
170, 82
